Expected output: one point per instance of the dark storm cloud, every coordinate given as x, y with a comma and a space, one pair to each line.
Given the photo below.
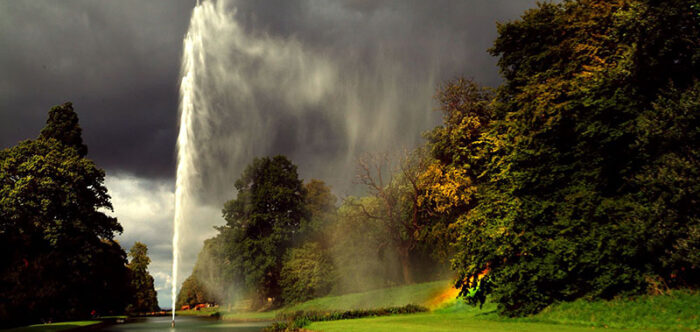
117, 61
410, 30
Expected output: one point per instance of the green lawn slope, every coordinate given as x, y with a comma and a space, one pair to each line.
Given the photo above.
419, 294
677, 311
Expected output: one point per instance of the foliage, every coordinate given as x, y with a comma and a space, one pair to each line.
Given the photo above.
306, 273
63, 126
360, 252
397, 207
213, 271
228, 276
320, 203
145, 296
59, 260
587, 173
263, 221
449, 182
295, 320
193, 292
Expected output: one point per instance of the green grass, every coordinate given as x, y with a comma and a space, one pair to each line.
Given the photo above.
61, 326
678, 311
439, 322
387, 297
249, 316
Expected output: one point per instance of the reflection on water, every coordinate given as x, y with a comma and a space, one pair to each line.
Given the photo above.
183, 324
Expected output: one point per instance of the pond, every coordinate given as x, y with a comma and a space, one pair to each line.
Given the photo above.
183, 324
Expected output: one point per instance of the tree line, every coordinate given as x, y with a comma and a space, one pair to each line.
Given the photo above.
60, 260
577, 177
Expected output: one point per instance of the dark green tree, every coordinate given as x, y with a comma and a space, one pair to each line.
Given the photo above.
590, 189
63, 126
264, 221
59, 259
145, 296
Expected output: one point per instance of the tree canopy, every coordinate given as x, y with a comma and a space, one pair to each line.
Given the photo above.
145, 297
582, 171
264, 219
60, 259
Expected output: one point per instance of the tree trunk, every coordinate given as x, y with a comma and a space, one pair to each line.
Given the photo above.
405, 259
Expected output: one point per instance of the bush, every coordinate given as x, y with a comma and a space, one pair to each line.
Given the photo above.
292, 321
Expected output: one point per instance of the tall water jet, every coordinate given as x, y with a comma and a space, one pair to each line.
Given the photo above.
191, 60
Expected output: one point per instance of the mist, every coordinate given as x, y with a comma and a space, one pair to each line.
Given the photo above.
360, 79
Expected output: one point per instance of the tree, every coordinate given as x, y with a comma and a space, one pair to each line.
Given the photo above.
63, 126
580, 194
306, 273
57, 241
361, 255
145, 296
214, 271
449, 181
399, 194
192, 293
320, 204
264, 221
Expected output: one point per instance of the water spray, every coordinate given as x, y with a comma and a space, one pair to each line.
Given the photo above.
185, 157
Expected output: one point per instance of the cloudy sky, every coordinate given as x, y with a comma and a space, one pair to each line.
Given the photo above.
319, 81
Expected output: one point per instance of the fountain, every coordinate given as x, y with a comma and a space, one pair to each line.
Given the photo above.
246, 92
185, 160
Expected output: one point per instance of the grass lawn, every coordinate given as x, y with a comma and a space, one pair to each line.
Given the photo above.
439, 322
249, 316
388, 297
56, 326
678, 311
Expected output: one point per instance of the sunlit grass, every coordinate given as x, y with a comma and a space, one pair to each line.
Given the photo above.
419, 294
442, 322
678, 311
249, 316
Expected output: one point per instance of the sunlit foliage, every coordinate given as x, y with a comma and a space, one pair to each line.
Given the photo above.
587, 174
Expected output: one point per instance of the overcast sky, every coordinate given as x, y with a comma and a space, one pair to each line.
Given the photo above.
119, 63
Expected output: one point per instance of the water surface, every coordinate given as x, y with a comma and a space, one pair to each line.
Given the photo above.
183, 324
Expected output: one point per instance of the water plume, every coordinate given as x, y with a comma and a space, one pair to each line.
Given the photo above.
186, 170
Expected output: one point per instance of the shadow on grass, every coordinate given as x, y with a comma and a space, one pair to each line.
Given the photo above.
62, 326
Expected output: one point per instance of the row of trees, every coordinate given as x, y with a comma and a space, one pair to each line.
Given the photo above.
59, 257
578, 177
286, 241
